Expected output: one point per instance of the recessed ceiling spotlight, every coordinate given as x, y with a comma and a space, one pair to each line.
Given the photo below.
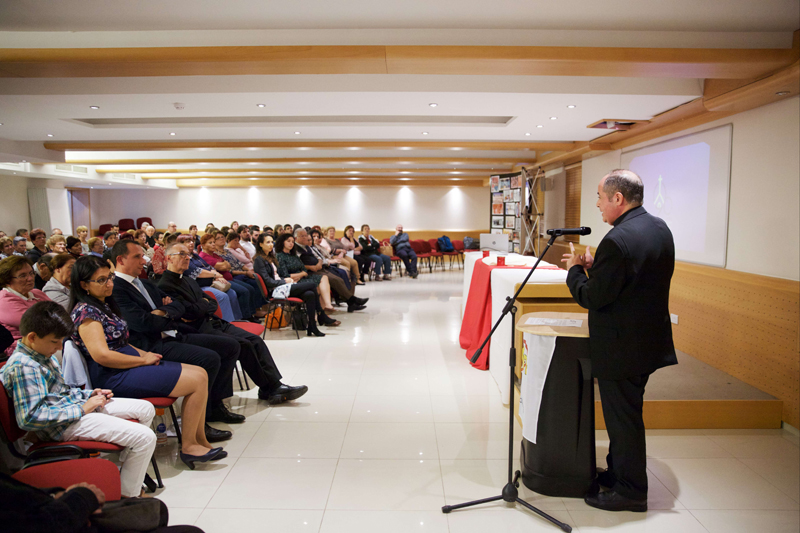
353, 162
353, 178
303, 172
251, 172
204, 163
354, 172
405, 148
251, 163
527, 135
571, 106
455, 173
261, 105
424, 132
305, 178
539, 126
303, 163
553, 118
94, 107
354, 148
252, 179
49, 134
297, 133
405, 179
433, 104
172, 133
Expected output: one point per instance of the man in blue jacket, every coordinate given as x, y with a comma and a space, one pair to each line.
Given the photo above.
404, 251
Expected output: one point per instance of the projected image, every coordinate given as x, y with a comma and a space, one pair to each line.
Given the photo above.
676, 185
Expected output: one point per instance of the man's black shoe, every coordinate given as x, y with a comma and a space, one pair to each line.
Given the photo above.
612, 501
284, 393
358, 301
605, 478
352, 307
414, 275
222, 414
217, 435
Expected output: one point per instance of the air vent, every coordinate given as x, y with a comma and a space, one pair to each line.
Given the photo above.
75, 169
122, 177
616, 124
323, 120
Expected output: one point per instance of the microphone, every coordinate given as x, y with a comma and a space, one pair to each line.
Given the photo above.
583, 230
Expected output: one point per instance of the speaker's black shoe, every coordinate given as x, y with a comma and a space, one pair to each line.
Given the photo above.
217, 435
613, 501
284, 393
221, 413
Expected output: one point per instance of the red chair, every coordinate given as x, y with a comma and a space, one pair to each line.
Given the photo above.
436, 254
418, 246
103, 229
51, 451
139, 221
397, 263
249, 327
125, 224
99, 472
455, 254
459, 247
290, 305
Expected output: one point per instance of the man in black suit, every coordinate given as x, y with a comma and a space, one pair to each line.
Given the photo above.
625, 287
199, 314
155, 324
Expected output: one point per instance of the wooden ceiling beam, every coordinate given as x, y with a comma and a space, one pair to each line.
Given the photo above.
497, 161
328, 182
156, 173
577, 154
394, 175
425, 60
127, 146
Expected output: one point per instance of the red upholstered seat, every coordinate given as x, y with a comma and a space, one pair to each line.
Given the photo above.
422, 249
90, 445
288, 305
104, 228
140, 221
250, 327
99, 472
161, 403
125, 224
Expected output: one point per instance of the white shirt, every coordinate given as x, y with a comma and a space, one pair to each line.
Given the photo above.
249, 247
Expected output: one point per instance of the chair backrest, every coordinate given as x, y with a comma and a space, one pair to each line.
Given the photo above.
125, 224
434, 244
458, 246
218, 312
262, 286
425, 246
74, 367
104, 228
416, 246
143, 219
99, 472
8, 419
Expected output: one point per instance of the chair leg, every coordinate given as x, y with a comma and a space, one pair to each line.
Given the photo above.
239, 377
157, 472
175, 423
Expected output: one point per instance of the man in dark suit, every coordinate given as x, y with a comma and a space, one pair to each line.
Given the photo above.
155, 324
625, 287
199, 314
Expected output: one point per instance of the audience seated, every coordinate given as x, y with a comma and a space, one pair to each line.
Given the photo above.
172, 227
20, 246
102, 338
329, 263
95, 247
254, 356
402, 248
241, 274
350, 243
43, 271
39, 240
110, 238
82, 232
234, 247
74, 247
155, 324
337, 249
57, 244
17, 295
150, 231
57, 288
6, 247
206, 277
243, 291
246, 240
266, 266
22, 232
371, 249
44, 404
193, 233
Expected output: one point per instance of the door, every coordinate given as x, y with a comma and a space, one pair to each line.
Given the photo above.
80, 208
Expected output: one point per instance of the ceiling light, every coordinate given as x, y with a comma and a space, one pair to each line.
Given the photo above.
251, 172
553, 118
305, 178
303, 163
354, 148
49, 134
204, 163
1, 123
261, 105
353, 163
252, 178
405, 179
303, 172
249, 163
433, 104
405, 162
297, 133
354, 172
353, 178
424, 132
455, 173
172, 133
571, 106
94, 107
781, 93
527, 134
539, 126
405, 172
405, 148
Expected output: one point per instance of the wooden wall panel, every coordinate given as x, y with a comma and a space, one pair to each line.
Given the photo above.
572, 211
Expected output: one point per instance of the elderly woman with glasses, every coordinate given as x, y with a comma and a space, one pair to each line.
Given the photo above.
17, 295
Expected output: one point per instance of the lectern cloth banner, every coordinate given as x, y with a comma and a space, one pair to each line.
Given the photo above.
537, 353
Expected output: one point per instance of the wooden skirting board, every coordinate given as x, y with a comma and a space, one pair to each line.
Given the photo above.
705, 414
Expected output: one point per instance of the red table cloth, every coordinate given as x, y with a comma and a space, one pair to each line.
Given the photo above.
477, 321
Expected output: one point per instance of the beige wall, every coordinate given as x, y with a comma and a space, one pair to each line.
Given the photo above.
14, 213
764, 212
445, 208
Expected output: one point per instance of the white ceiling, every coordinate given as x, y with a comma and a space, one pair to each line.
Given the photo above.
140, 15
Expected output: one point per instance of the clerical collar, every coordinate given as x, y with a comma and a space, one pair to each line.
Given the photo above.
624, 215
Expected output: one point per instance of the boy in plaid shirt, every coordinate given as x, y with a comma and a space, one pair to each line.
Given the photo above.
44, 404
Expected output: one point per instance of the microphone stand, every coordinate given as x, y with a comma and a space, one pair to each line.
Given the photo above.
510, 492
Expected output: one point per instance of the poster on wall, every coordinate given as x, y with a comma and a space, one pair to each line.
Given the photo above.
516, 195
516, 182
508, 195
495, 182
510, 210
511, 222
497, 198
497, 209
505, 183
497, 222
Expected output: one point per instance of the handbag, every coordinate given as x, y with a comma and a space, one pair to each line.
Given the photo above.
131, 514
277, 319
221, 285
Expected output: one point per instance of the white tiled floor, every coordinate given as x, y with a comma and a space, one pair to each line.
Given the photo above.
396, 424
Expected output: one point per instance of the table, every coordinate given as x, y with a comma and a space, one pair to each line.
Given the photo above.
557, 407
